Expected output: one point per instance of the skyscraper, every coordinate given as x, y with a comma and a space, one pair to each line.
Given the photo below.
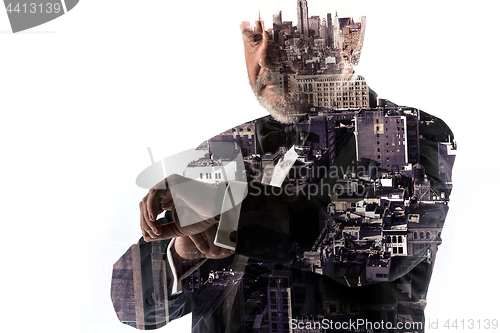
279, 296
277, 24
277, 21
302, 19
323, 30
314, 25
329, 31
336, 32
381, 137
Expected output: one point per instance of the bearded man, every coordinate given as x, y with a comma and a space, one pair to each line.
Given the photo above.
325, 213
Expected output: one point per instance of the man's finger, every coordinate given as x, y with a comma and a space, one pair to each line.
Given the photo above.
151, 210
210, 237
146, 224
167, 202
200, 243
225, 252
151, 199
142, 219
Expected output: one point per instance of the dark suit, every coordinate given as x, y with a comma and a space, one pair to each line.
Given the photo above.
304, 255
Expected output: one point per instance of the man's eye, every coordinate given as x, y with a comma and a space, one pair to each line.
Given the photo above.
255, 39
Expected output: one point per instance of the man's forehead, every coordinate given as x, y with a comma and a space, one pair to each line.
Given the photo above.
248, 27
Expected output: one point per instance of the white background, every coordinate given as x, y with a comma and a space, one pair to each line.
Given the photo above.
83, 96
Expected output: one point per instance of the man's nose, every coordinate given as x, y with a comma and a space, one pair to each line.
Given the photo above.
268, 54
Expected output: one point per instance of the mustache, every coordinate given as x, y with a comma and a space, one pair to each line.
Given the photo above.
263, 78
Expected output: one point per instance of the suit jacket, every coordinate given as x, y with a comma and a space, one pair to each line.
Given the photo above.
350, 236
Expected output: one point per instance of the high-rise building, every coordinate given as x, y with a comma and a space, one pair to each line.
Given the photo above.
334, 91
336, 32
302, 19
280, 301
323, 30
277, 21
348, 37
382, 138
329, 30
287, 28
277, 24
314, 25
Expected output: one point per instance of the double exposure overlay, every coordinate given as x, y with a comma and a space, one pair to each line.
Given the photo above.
346, 195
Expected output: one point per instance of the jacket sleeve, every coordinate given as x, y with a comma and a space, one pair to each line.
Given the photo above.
141, 288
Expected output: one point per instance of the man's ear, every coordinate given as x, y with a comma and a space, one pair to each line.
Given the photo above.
356, 52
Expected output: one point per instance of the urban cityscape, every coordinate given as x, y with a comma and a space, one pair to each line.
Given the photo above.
388, 171
385, 218
387, 211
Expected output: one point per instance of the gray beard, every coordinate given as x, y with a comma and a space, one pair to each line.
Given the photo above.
285, 108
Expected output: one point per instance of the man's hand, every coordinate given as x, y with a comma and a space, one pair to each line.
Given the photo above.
193, 241
200, 246
150, 207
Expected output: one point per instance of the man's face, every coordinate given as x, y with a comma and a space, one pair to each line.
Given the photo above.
292, 68
269, 74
